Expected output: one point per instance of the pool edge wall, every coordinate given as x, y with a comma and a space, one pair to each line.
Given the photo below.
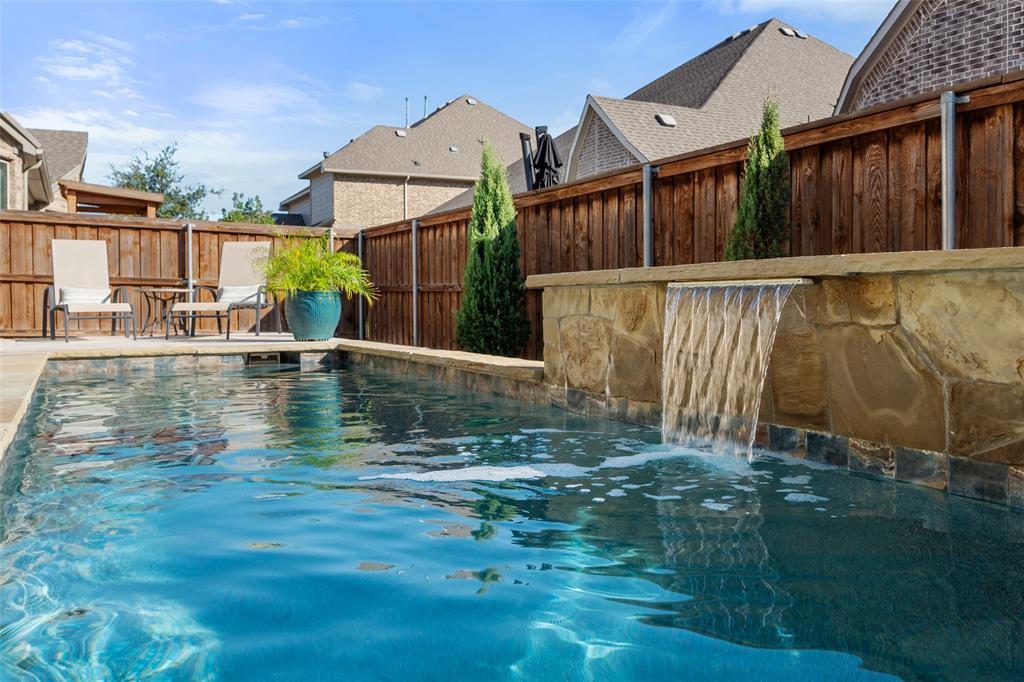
900, 365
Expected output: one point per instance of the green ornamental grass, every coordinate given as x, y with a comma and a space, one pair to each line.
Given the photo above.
308, 264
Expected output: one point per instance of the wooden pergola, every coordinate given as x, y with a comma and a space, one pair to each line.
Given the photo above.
83, 197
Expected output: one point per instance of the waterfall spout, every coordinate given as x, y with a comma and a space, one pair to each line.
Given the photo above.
718, 339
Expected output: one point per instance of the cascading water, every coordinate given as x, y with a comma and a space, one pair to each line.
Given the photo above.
718, 339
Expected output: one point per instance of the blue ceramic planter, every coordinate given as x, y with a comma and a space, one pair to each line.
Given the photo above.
313, 315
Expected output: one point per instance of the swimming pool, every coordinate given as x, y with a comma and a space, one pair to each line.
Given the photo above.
359, 525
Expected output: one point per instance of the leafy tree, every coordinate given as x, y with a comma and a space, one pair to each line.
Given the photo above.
491, 319
762, 219
159, 173
246, 210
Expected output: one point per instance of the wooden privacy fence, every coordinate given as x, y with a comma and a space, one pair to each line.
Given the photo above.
141, 252
860, 183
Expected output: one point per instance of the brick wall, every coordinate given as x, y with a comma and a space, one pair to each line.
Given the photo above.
364, 201
601, 151
945, 43
15, 179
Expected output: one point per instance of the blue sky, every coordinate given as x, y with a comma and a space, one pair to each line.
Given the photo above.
253, 92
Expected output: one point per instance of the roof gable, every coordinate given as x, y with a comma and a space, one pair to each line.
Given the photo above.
65, 152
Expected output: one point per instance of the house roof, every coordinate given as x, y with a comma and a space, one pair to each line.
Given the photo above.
731, 81
65, 152
445, 144
897, 19
690, 84
301, 194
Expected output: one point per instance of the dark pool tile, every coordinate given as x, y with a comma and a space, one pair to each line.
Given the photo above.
788, 440
762, 436
827, 448
922, 467
980, 480
575, 399
876, 459
1015, 487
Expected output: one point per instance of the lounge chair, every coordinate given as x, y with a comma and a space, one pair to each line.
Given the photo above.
240, 286
81, 288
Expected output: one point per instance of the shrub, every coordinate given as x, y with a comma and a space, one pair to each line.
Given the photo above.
308, 264
762, 222
491, 319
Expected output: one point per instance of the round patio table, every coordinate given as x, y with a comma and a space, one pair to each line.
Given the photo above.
157, 299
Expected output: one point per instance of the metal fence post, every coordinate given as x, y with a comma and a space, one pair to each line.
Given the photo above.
648, 189
415, 284
947, 118
359, 252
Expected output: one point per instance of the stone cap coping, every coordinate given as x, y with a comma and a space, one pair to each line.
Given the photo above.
515, 368
816, 267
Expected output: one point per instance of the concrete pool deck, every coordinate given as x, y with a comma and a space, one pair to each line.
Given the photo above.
23, 362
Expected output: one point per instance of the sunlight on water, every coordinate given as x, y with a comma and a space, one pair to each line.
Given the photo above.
359, 525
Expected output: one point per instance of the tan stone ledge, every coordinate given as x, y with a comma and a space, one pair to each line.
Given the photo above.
817, 267
516, 368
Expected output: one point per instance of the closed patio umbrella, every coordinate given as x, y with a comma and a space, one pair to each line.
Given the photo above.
546, 161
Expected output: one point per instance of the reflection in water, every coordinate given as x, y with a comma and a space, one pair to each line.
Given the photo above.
233, 527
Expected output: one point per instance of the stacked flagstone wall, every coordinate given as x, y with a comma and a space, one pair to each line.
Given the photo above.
906, 366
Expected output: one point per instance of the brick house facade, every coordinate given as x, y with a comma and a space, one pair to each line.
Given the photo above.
389, 174
930, 45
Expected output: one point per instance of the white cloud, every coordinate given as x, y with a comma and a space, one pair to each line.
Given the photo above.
250, 17
825, 10
363, 92
101, 59
273, 102
644, 24
303, 22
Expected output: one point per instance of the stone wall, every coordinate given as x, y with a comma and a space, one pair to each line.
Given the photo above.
917, 375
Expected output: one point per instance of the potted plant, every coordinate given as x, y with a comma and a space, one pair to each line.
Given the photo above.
311, 278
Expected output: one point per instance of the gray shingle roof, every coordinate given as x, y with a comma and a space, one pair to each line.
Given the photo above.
426, 147
805, 74
690, 84
65, 153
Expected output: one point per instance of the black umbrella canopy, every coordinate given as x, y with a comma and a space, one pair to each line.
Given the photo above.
546, 162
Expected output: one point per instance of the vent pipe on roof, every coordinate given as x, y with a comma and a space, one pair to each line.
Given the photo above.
424, 106
406, 112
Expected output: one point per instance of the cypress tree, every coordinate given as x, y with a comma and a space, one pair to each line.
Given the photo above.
491, 319
762, 220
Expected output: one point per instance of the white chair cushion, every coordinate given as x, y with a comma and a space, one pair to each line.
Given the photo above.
83, 295
236, 294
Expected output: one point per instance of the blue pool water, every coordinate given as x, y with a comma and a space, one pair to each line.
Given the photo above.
279, 525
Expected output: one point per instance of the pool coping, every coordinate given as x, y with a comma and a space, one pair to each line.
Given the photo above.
21, 370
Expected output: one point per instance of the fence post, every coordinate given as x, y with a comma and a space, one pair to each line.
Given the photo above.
359, 252
648, 188
188, 257
947, 117
415, 284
